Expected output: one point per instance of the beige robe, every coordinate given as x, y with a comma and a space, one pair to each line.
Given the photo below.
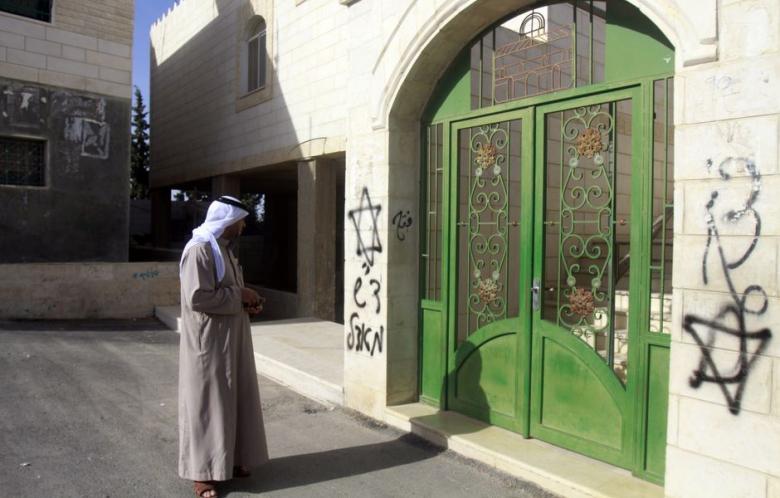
220, 418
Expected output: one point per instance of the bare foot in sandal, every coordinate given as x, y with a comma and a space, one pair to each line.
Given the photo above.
205, 489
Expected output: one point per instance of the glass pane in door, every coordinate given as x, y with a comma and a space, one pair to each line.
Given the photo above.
587, 221
488, 225
662, 229
432, 246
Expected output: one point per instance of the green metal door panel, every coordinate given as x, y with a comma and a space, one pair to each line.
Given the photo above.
433, 359
588, 159
591, 378
657, 402
489, 256
635, 47
575, 398
484, 382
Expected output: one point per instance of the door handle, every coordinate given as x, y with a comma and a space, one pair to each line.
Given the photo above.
536, 297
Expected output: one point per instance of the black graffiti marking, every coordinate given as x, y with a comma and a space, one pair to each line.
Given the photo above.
370, 213
708, 370
402, 222
363, 338
365, 220
356, 290
377, 287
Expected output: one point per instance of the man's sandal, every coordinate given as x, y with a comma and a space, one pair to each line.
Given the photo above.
241, 471
205, 489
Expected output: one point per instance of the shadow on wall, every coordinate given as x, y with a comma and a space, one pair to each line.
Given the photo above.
204, 130
209, 126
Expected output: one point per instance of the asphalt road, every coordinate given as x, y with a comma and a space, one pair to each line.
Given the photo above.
88, 409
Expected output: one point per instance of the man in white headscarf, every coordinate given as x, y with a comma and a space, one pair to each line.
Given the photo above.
221, 433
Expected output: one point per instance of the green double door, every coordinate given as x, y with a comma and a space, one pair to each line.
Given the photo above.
548, 232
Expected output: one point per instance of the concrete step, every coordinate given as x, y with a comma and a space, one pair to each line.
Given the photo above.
304, 354
299, 381
555, 469
169, 315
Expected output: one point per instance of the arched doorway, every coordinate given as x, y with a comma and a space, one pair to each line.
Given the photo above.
547, 247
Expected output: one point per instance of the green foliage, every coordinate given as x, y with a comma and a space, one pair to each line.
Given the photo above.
139, 150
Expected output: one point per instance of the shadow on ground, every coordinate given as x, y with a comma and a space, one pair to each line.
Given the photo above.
311, 468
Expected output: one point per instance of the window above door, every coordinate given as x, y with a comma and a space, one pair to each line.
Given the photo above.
548, 48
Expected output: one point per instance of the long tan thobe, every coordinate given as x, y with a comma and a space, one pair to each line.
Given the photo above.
220, 418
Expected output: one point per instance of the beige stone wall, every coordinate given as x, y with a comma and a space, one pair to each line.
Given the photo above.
86, 290
727, 146
103, 19
87, 46
201, 125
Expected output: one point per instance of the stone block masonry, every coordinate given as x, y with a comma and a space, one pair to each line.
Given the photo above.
724, 430
87, 46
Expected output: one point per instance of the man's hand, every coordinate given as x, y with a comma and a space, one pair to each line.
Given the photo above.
255, 310
250, 298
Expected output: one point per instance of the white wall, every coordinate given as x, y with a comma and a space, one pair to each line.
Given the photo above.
198, 132
727, 118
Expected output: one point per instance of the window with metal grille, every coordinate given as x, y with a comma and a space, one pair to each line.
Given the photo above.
554, 46
22, 161
34, 9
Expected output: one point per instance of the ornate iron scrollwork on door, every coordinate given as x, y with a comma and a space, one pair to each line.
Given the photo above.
488, 224
586, 228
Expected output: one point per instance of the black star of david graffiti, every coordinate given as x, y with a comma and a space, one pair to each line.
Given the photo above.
751, 342
365, 219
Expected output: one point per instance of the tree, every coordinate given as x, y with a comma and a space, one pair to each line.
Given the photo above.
139, 155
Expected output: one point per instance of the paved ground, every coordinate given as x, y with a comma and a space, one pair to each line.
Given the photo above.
89, 409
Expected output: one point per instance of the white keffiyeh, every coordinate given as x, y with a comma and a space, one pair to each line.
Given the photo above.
219, 216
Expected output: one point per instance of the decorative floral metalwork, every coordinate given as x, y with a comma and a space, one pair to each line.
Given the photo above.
487, 290
581, 301
586, 236
589, 143
486, 155
488, 206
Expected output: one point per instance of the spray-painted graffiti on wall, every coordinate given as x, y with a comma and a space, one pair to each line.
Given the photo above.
366, 289
750, 302
402, 221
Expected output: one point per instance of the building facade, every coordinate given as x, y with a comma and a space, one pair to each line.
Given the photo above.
65, 73
557, 219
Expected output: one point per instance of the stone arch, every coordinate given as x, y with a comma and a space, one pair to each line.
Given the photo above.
412, 59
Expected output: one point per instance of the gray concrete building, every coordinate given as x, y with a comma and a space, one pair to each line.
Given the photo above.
65, 81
